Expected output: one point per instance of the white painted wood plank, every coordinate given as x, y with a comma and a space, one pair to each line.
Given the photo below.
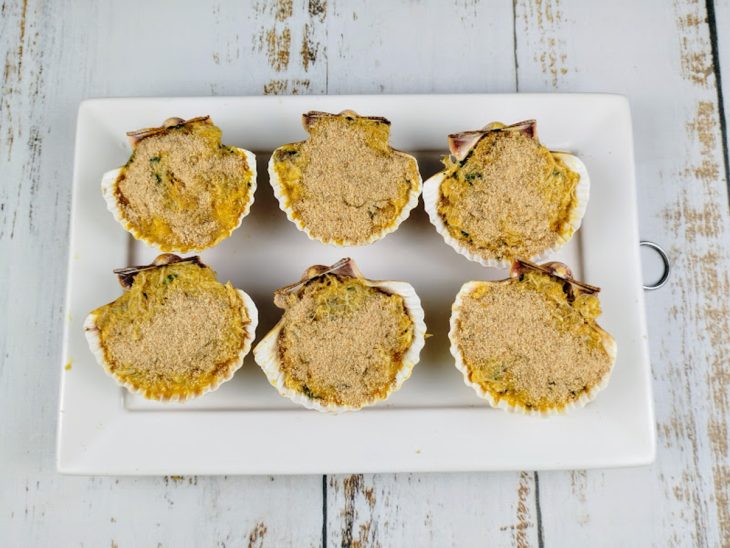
722, 51
50, 510
661, 58
432, 510
412, 47
55, 54
407, 47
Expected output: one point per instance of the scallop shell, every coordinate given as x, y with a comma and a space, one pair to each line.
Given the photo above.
555, 269
286, 208
267, 355
460, 144
126, 276
109, 179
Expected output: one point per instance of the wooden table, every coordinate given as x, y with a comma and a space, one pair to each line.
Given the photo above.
668, 57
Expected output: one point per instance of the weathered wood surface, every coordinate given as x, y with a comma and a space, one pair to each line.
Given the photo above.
661, 57
56, 53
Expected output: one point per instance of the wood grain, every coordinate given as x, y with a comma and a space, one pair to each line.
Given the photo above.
56, 53
669, 77
374, 52
432, 510
720, 9
407, 47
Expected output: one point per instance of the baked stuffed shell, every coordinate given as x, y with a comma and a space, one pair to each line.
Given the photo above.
343, 342
181, 189
176, 332
345, 185
503, 195
531, 343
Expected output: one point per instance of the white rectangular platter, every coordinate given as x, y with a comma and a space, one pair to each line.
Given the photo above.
435, 422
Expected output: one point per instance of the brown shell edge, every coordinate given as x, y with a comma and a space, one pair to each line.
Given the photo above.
136, 136
460, 144
557, 270
345, 267
126, 275
308, 118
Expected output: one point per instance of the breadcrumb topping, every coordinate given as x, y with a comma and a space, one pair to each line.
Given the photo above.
175, 332
343, 342
524, 342
509, 198
182, 189
345, 183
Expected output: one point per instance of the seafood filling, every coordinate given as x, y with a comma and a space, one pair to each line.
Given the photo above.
175, 331
509, 197
342, 342
345, 183
525, 341
182, 189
